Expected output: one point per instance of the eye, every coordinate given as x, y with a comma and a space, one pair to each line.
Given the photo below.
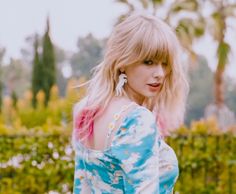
148, 62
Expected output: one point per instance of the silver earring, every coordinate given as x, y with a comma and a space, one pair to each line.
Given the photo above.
121, 83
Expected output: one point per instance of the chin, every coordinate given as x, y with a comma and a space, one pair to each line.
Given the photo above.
150, 95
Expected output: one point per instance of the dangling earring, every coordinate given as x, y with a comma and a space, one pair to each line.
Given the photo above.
121, 83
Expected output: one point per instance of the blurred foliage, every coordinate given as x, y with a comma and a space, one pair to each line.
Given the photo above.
15, 77
2, 53
201, 90
207, 159
35, 151
41, 159
19, 112
36, 162
230, 95
201, 93
90, 52
28, 57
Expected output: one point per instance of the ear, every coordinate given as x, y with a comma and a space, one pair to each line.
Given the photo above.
122, 70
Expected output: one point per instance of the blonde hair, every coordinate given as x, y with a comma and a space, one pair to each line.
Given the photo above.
139, 37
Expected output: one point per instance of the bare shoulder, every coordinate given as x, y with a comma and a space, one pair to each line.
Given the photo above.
79, 105
117, 103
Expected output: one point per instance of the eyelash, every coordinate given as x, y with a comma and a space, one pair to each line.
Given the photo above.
150, 62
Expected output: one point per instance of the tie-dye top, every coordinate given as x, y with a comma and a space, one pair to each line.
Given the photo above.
131, 164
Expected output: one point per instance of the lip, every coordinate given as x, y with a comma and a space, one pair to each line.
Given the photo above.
154, 86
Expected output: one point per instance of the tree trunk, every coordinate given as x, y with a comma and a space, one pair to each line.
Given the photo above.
219, 86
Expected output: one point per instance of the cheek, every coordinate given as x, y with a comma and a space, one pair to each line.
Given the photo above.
136, 76
137, 81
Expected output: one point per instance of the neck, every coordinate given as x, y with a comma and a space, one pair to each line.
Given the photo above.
134, 96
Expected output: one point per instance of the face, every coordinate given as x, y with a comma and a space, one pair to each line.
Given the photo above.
145, 79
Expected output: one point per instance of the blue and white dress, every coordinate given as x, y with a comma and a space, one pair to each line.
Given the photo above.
137, 161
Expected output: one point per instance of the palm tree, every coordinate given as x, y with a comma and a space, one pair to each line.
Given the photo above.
223, 10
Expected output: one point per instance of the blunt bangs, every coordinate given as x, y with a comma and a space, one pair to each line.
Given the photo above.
150, 42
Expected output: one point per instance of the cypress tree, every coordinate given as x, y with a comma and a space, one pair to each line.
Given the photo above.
37, 74
2, 52
1, 87
14, 99
48, 63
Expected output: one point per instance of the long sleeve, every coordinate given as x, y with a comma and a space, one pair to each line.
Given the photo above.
136, 147
80, 184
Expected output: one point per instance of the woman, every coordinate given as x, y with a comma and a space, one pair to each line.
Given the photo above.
137, 90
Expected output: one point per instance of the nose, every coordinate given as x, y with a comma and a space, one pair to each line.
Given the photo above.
158, 71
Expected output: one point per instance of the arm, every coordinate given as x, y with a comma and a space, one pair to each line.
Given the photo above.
136, 146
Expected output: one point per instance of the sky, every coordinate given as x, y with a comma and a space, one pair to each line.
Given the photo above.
70, 19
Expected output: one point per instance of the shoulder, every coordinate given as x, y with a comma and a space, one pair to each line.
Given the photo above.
139, 121
137, 130
79, 105
140, 114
